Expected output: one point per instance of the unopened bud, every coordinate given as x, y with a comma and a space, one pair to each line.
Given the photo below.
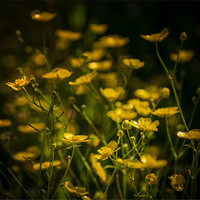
183, 36
120, 133
165, 92
126, 125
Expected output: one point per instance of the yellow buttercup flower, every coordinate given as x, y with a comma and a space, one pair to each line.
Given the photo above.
84, 79
151, 179
68, 35
130, 163
177, 182
76, 62
5, 122
100, 66
31, 153
99, 170
95, 55
166, 112
42, 16
46, 165
80, 89
95, 140
71, 139
58, 73
107, 150
145, 124
157, 37
111, 41
133, 63
111, 94
193, 134
98, 28
184, 56
20, 82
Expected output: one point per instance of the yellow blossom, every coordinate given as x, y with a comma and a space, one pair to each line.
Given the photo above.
130, 163
98, 28
99, 170
31, 129
46, 165
177, 182
193, 134
145, 124
107, 150
42, 16
133, 63
68, 35
80, 89
58, 73
111, 94
100, 66
76, 62
151, 179
157, 37
184, 56
110, 79
70, 139
84, 79
95, 55
5, 122
31, 153
111, 41
166, 112
20, 82
95, 140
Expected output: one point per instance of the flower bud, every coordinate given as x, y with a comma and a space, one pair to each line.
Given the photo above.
126, 125
120, 133
183, 36
165, 92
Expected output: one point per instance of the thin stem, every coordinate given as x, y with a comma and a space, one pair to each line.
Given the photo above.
118, 186
110, 180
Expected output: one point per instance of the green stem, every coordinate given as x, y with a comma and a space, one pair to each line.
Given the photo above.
118, 186
110, 181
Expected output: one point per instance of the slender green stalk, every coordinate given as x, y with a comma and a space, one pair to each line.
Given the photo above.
118, 186
110, 181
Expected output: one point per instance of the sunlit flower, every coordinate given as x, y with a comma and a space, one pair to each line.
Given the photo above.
70, 138
177, 182
133, 63
46, 165
99, 170
84, 79
184, 56
20, 82
5, 122
166, 112
151, 179
68, 35
98, 28
111, 94
157, 37
31, 129
111, 41
95, 140
58, 73
42, 16
145, 124
100, 66
107, 150
193, 134
31, 153
95, 55
78, 191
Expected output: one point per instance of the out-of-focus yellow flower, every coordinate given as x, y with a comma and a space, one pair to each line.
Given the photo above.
177, 182
120, 114
5, 122
193, 134
95, 55
31, 153
76, 62
130, 163
20, 82
39, 59
165, 92
70, 138
157, 37
183, 36
151, 179
166, 112
151, 162
112, 94
107, 150
29, 129
84, 79
153, 150
42, 16
184, 56
133, 63
68, 35
110, 79
145, 124
111, 41
95, 140
80, 89
100, 66
99, 170
46, 165
78, 191
58, 73
98, 28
